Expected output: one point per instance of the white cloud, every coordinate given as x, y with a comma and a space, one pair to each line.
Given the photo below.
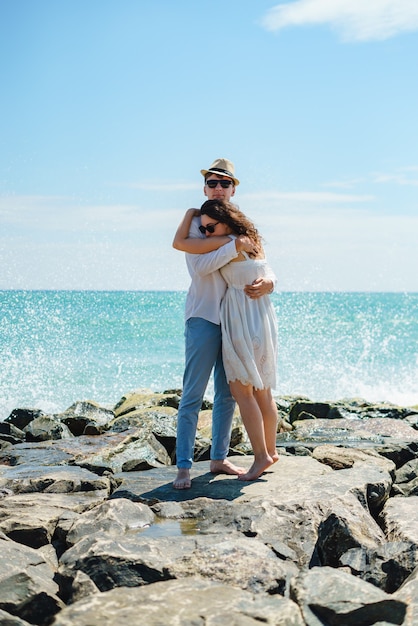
403, 176
400, 177
354, 20
62, 214
306, 197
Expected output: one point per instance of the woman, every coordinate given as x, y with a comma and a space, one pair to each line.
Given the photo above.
249, 326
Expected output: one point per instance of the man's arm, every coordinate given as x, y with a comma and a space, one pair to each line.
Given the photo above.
207, 254
188, 239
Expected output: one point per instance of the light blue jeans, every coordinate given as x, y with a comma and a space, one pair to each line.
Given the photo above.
203, 353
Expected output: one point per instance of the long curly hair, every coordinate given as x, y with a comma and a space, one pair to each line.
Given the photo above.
228, 213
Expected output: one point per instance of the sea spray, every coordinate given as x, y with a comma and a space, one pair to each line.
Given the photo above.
57, 347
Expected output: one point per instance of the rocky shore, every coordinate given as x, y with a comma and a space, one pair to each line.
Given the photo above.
92, 532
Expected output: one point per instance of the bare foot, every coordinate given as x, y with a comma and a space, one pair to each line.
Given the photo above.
257, 468
275, 456
182, 480
223, 466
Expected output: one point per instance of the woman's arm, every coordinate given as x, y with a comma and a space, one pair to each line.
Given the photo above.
195, 245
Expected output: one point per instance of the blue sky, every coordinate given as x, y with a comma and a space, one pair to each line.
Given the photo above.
110, 109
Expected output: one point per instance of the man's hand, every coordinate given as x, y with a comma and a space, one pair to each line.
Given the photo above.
259, 287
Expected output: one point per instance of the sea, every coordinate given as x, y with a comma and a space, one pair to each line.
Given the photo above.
58, 347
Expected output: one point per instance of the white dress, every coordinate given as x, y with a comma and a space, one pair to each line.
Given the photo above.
249, 327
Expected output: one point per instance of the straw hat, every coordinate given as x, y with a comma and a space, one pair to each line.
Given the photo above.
222, 167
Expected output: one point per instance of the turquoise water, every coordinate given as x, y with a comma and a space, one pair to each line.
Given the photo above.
57, 347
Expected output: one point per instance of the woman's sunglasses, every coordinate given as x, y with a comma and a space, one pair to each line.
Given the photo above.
223, 183
210, 228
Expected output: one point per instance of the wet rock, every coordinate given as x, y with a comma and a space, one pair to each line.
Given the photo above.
310, 410
169, 602
35, 454
45, 428
10, 433
353, 431
329, 596
22, 417
86, 418
113, 517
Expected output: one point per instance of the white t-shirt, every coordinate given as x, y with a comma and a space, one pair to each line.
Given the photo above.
207, 287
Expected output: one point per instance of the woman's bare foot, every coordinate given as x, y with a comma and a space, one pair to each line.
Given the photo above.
182, 480
223, 466
275, 456
257, 468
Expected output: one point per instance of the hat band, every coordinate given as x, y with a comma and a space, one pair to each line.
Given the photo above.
225, 172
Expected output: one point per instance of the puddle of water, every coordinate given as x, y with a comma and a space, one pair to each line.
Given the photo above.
172, 528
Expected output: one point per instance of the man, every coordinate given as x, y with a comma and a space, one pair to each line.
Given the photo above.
203, 350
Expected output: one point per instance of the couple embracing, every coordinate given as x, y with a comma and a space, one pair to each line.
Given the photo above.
230, 328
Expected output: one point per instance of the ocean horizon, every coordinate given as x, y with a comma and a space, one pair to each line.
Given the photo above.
58, 347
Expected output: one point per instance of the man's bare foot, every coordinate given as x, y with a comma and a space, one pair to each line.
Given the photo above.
257, 468
223, 466
182, 480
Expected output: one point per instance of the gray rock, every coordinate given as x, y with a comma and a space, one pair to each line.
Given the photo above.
21, 417
46, 428
346, 525
342, 458
311, 410
81, 587
86, 417
51, 479
10, 433
137, 452
185, 602
6, 619
408, 472
406, 479
399, 452
27, 589
406, 489
400, 520
113, 518
386, 566
331, 596
35, 454
408, 593
33, 518
134, 558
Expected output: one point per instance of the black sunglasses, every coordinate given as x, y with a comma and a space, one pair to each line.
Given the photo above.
223, 183
210, 228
